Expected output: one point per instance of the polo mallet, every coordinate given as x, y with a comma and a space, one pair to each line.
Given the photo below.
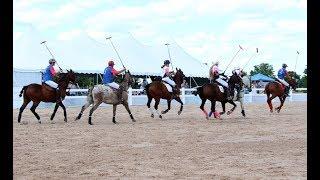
233, 59
254, 55
167, 44
296, 61
44, 42
115, 50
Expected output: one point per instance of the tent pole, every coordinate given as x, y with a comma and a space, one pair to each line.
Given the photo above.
190, 82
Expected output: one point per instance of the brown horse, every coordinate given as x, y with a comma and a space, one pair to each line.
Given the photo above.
212, 92
277, 89
157, 90
37, 93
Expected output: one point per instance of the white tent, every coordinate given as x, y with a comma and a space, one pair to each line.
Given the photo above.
84, 54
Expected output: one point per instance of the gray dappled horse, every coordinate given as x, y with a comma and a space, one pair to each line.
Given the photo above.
238, 94
104, 94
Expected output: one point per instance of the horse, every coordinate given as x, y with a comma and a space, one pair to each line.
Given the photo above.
37, 93
105, 94
212, 92
246, 84
157, 90
277, 89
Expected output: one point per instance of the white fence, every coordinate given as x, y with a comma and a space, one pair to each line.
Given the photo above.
138, 97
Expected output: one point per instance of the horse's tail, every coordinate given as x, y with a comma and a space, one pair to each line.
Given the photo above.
90, 94
146, 89
23, 89
198, 91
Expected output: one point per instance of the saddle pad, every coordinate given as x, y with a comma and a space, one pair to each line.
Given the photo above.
221, 89
168, 87
102, 88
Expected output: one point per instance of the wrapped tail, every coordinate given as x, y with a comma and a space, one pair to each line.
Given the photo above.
22, 90
90, 97
146, 89
198, 91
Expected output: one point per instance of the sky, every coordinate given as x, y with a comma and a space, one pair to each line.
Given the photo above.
208, 30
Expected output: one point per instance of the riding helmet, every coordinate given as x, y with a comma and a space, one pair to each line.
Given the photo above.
52, 61
166, 62
284, 65
110, 63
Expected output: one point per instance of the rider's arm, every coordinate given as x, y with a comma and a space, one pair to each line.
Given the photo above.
115, 72
52, 71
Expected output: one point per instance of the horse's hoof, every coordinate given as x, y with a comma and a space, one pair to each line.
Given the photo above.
133, 120
163, 112
179, 112
221, 113
114, 122
160, 116
152, 115
207, 118
90, 123
229, 112
39, 122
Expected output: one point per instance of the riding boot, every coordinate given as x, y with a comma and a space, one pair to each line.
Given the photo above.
58, 95
119, 94
287, 91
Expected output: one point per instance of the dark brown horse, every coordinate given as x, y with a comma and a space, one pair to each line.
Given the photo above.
212, 92
157, 90
277, 89
37, 93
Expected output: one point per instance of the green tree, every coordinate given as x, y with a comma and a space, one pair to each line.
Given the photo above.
303, 81
84, 82
263, 68
294, 75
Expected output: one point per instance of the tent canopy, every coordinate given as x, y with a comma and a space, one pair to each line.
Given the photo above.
86, 54
261, 77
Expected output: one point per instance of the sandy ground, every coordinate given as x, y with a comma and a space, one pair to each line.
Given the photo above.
260, 146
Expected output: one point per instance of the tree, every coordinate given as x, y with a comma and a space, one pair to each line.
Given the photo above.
303, 81
84, 82
294, 75
263, 68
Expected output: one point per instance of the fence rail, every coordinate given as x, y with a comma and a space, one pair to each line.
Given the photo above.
185, 93
138, 97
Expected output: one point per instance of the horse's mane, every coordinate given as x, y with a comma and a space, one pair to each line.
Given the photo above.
62, 77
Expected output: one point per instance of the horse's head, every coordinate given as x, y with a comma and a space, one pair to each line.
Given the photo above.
128, 78
65, 78
246, 82
235, 80
178, 77
292, 82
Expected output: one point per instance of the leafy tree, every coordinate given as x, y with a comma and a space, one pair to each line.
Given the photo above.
84, 82
303, 81
294, 75
263, 68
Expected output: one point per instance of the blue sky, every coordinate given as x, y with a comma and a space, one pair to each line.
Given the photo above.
209, 30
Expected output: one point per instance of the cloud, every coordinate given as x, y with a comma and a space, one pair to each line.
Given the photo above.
69, 34
45, 14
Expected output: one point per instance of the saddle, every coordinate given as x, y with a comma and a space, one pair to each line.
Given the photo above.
58, 93
283, 87
48, 87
